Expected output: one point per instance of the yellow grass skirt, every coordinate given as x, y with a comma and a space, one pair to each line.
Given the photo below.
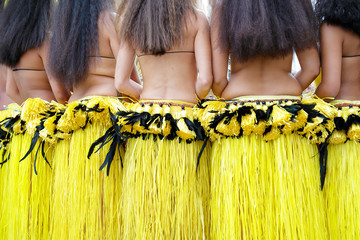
342, 189
265, 175
85, 200
26, 196
165, 192
62, 196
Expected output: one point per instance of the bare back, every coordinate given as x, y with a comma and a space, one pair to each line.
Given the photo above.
262, 76
174, 74
30, 76
350, 67
340, 50
100, 80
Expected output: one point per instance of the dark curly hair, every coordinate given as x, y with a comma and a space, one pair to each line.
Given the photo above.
344, 13
75, 38
273, 28
155, 26
23, 26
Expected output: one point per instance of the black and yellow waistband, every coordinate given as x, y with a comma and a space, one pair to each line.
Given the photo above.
347, 121
268, 116
164, 118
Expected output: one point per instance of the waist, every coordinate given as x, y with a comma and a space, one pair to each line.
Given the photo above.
345, 103
169, 102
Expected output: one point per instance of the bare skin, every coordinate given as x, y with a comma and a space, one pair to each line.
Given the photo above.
100, 80
4, 99
260, 75
172, 76
31, 81
340, 75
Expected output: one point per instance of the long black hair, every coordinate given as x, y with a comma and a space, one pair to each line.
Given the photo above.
75, 38
273, 28
153, 26
23, 26
344, 13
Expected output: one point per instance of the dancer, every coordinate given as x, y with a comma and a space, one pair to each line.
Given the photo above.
82, 55
340, 54
165, 189
265, 181
24, 27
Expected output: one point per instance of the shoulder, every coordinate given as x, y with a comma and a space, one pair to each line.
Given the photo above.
331, 29
199, 20
107, 21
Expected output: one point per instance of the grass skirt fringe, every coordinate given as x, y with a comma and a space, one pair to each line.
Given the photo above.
342, 189
266, 190
85, 200
165, 192
265, 173
60, 193
164, 195
5, 136
26, 196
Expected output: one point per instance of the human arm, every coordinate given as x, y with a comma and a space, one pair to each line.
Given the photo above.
114, 38
124, 67
220, 58
331, 60
203, 57
310, 66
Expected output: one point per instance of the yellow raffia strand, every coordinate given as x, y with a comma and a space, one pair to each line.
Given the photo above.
354, 132
248, 123
300, 119
337, 137
266, 190
342, 190
11, 111
207, 114
49, 129
166, 129
154, 127
164, 194
32, 111
26, 205
59, 212
273, 134
259, 128
72, 119
108, 104
160, 126
184, 132
85, 200
18, 129
230, 129
327, 109
279, 116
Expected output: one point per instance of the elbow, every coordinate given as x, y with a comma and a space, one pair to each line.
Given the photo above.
204, 85
219, 85
206, 82
118, 86
327, 92
61, 96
